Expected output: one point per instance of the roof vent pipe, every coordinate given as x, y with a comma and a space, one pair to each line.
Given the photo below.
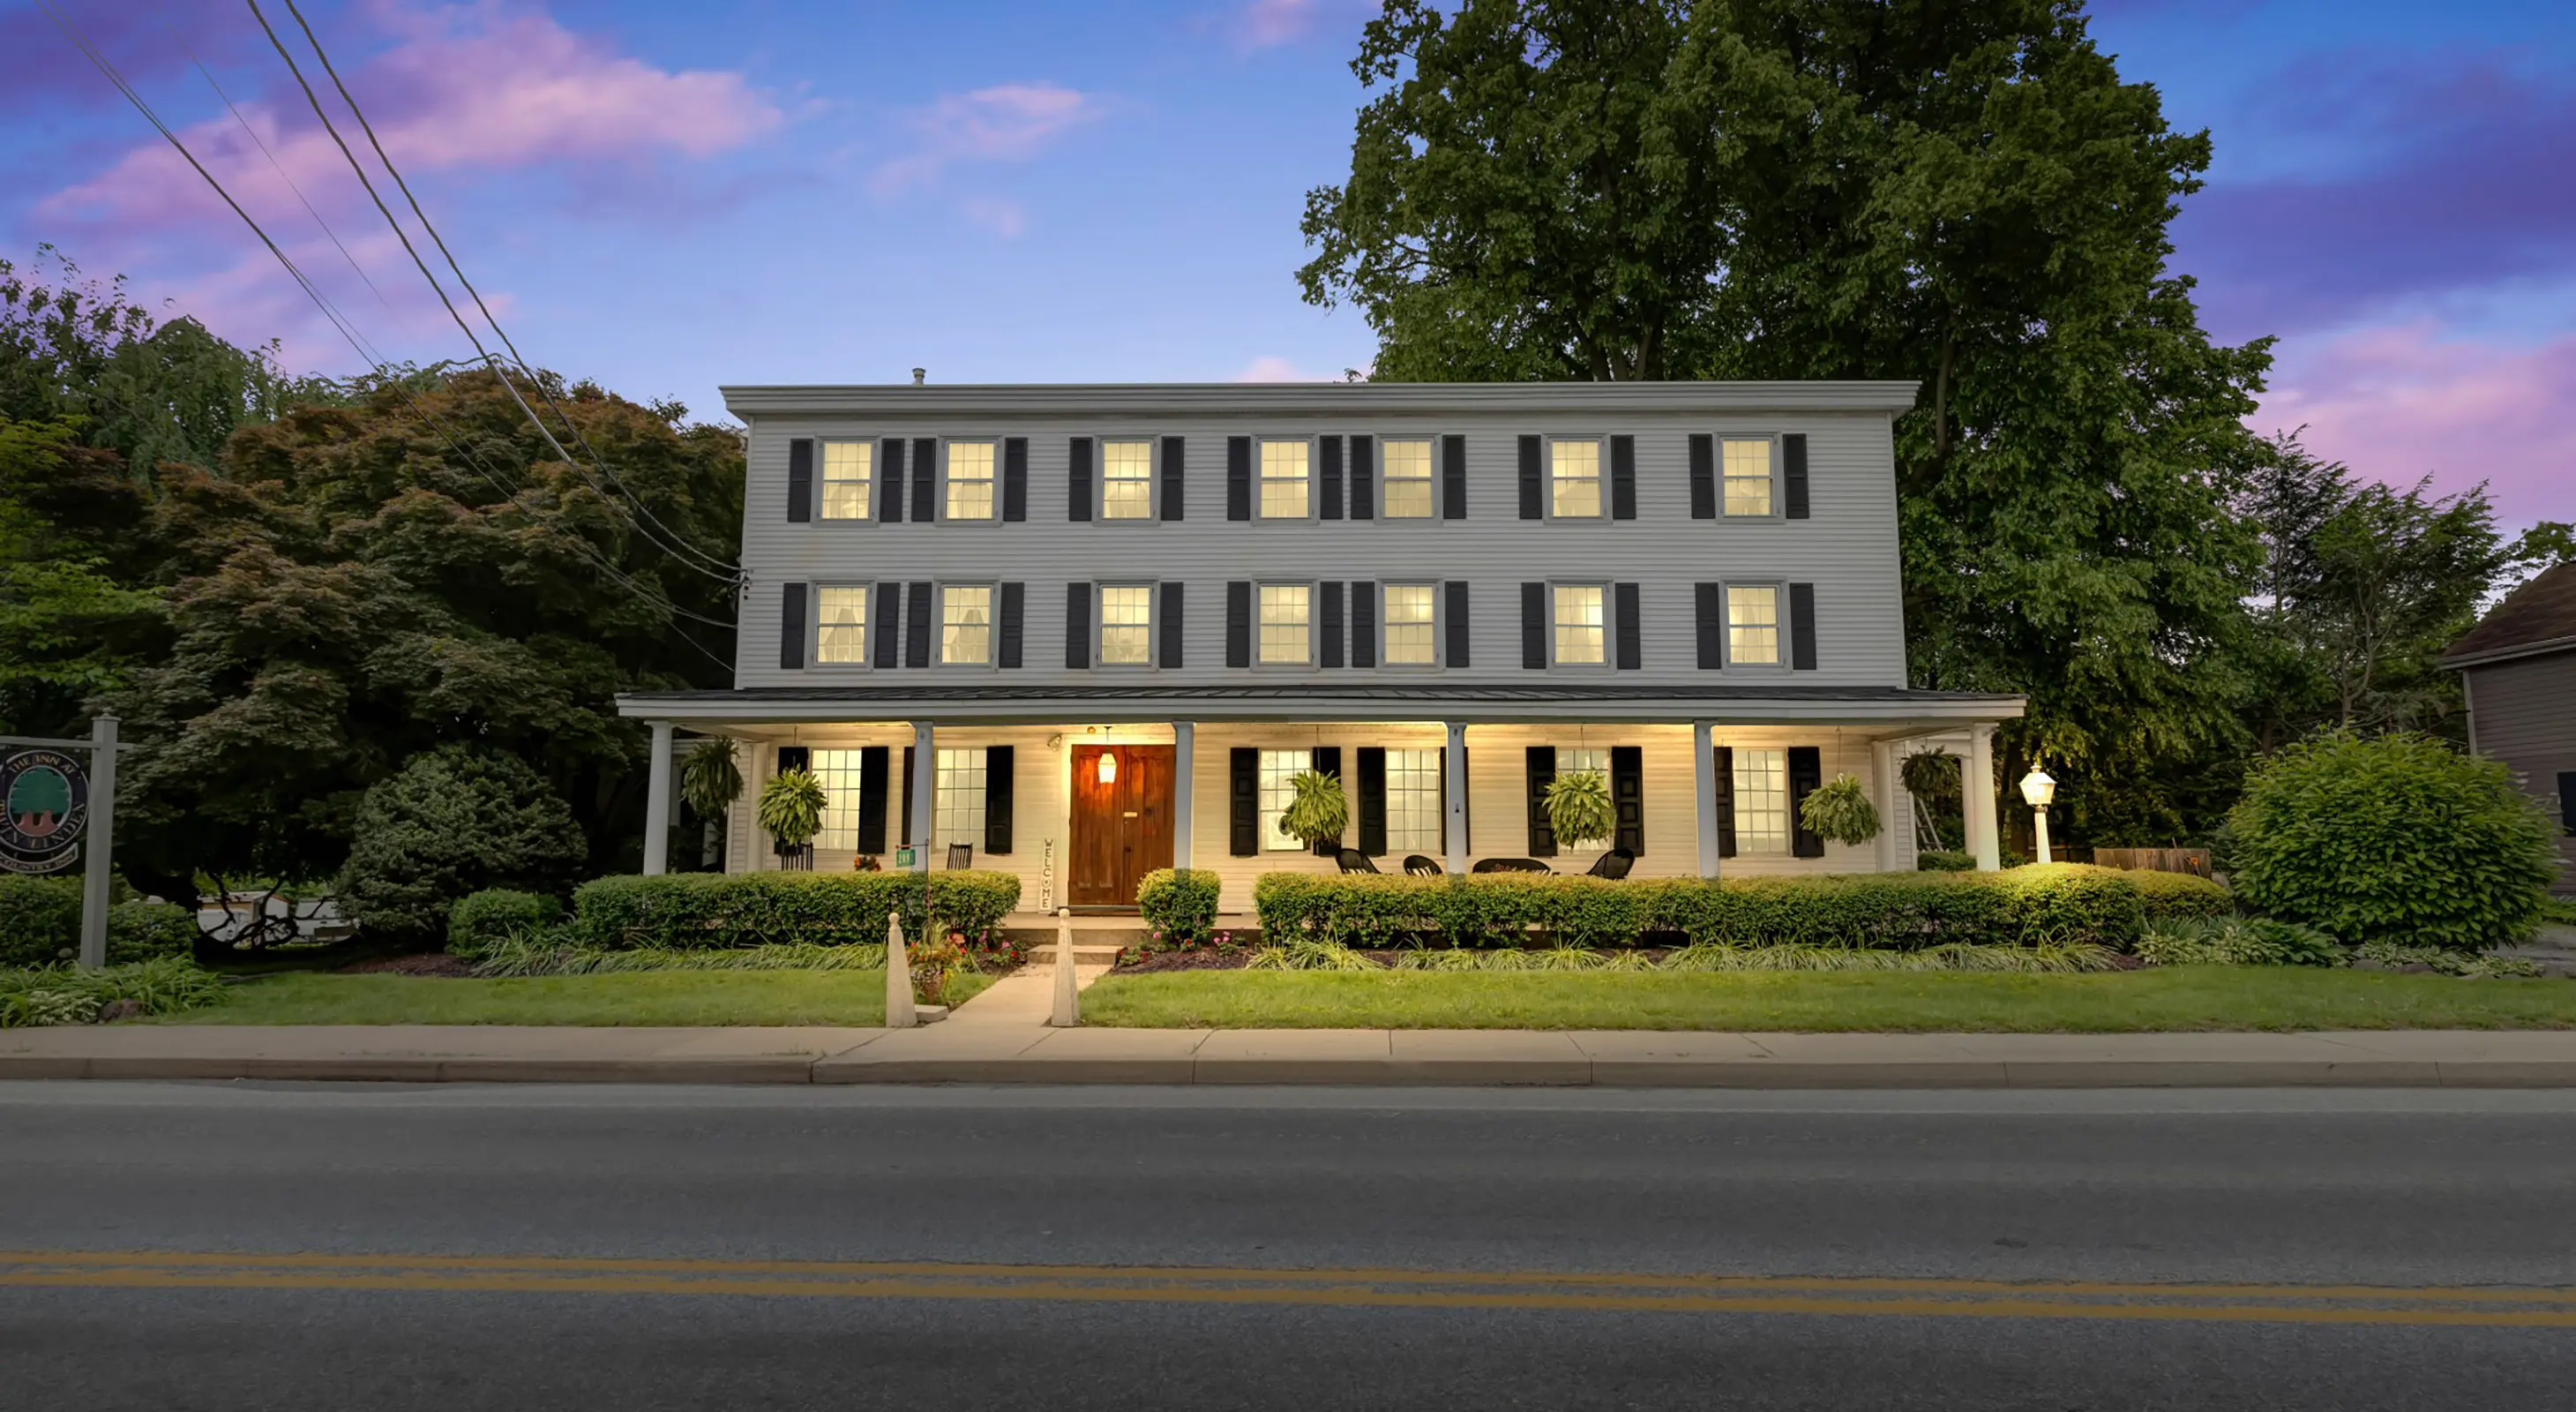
917, 375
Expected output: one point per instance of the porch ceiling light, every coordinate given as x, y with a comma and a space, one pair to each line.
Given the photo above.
1109, 767
2037, 788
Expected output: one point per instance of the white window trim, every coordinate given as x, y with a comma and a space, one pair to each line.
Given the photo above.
1263, 814
1153, 623
1314, 480
1439, 624
1778, 510
1398, 848
1601, 482
968, 802
1779, 621
1609, 625
814, 627
875, 481
1153, 479
999, 451
1377, 477
1788, 817
1314, 611
939, 625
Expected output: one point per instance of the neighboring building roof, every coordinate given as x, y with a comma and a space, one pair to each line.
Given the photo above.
2538, 617
1323, 398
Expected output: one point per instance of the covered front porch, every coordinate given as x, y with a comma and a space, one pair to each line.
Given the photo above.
1082, 793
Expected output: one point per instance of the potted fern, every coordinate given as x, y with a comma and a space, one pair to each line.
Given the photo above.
710, 782
791, 812
1578, 808
1318, 812
1840, 810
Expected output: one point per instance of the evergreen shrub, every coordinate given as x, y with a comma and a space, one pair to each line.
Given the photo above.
680, 910
1180, 903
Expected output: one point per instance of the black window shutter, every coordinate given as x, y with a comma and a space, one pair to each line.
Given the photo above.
1453, 477
925, 480
1077, 625
795, 757
1077, 488
1533, 488
1372, 792
1328, 455
1174, 462
873, 760
1623, 477
1628, 797
1238, 624
1534, 626
800, 480
890, 475
1015, 478
1725, 800
916, 626
791, 626
1243, 801
1015, 598
1238, 477
1703, 476
1363, 478
1708, 622
1632, 653
1793, 473
1363, 625
2567, 802
1802, 627
1330, 628
1169, 626
1542, 773
998, 788
1326, 760
1806, 776
1454, 651
889, 620
903, 824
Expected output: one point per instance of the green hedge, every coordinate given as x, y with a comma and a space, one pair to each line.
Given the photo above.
2177, 896
1945, 860
480, 919
2064, 904
779, 908
1180, 903
40, 925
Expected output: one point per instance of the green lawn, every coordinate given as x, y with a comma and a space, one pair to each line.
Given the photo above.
633, 998
2183, 998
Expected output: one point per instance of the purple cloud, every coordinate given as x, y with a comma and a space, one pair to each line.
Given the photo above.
39, 68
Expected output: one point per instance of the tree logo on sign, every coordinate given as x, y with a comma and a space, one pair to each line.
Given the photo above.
44, 807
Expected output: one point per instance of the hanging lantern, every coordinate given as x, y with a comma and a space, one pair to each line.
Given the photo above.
1108, 767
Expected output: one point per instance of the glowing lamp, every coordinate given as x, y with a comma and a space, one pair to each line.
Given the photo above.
2038, 788
1108, 767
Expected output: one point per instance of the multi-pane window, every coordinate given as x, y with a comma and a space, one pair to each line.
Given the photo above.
1579, 623
1284, 620
1752, 624
957, 805
848, 470
1278, 768
1412, 801
1574, 473
1127, 625
1283, 480
1127, 480
1748, 477
1574, 761
841, 623
966, 623
838, 772
1410, 640
1406, 472
970, 480
1761, 801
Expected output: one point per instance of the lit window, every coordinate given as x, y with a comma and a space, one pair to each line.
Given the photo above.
957, 806
1278, 767
838, 772
1572, 761
848, 467
841, 624
1283, 480
1752, 625
1748, 477
1578, 623
1413, 801
1575, 471
1127, 625
1407, 472
970, 480
1283, 624
966, 624
1127, 480
1761, 801
1409, 636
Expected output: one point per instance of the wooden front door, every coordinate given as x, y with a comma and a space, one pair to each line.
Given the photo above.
1122, 830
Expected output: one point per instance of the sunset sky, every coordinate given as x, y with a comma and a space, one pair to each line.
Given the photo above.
667, 196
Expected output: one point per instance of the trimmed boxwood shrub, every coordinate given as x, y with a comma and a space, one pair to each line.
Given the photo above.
1180, 903
1945, 860
2176, 896
2065, 904
683, 910
40, 925
2399, 839
481, 918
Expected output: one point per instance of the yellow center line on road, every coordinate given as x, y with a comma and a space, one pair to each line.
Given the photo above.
1422, 1289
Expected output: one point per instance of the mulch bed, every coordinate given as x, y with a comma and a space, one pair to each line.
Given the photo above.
434, 964
1237, 958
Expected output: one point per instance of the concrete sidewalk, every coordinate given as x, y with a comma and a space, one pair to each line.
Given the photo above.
963, 1051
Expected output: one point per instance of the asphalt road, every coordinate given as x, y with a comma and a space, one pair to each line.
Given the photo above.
451, 1248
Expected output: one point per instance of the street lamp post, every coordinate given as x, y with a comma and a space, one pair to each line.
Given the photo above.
2038, 789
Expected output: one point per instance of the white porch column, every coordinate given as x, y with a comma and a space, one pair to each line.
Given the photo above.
1882, 770
1184, 786
1704, 791
925, 764
1980, 785
1453, 774
657, 804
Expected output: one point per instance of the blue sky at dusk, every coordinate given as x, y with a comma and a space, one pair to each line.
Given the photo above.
667, 196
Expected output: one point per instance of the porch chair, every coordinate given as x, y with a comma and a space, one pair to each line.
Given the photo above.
961, 855
1613, 864
1510, 865
1353, 861
1421, 867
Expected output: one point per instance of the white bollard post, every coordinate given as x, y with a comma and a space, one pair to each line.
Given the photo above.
1068, 996
899, 1014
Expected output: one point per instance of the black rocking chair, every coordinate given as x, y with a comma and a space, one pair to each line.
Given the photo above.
1353, 861
1613, 864
1422, 867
